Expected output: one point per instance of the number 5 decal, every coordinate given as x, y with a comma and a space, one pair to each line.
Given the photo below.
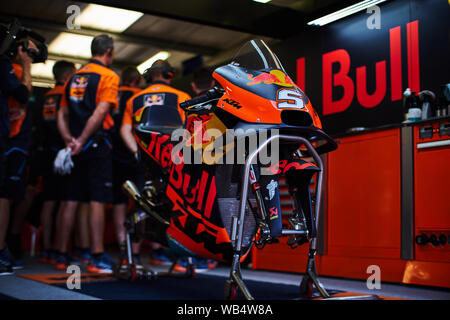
288, 98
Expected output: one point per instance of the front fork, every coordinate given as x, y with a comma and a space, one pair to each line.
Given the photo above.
264, 229
299, 222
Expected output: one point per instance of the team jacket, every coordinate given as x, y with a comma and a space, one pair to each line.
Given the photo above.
89, 86
52, 137
162, 99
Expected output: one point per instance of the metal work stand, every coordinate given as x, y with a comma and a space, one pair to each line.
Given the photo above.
235, 280
131, 273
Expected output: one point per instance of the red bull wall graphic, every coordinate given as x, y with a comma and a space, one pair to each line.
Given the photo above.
355, 76
358, 87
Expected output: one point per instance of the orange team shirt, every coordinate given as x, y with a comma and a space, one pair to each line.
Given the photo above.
14, 104
155, 94
51, 103
92, 84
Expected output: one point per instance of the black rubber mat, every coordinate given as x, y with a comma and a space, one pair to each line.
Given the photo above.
203, 287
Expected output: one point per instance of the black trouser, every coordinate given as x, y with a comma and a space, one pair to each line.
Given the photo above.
91, 177
2, 162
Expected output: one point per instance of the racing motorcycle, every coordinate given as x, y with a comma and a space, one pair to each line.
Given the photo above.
218, 200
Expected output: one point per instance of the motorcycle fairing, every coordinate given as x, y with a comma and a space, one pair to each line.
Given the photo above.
259, 102
257, 82
195, 222
203, 130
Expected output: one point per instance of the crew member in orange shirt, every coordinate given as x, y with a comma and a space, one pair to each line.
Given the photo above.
84, 120
125, 165
52, 142
164, 102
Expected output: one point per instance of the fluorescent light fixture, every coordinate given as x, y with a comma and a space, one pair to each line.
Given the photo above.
107, 18
70, 44
162, 55
262, 1
344, 12
45, 70
41, 84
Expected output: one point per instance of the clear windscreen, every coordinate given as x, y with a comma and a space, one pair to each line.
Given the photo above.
256, 55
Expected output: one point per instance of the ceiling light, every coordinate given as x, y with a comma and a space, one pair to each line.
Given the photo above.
262, 1
344, 12
42, 84
162, 55
70, 44
107, 18
45, 70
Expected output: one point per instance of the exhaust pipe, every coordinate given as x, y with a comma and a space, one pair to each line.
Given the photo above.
147, 205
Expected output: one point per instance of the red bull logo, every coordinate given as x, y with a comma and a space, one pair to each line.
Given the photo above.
78, 87
153, 100
274, 77
80, 82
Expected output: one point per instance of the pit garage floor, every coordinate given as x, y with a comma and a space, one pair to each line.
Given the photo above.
42, 282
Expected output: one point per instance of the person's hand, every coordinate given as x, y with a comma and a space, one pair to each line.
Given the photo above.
77, 146
69, 142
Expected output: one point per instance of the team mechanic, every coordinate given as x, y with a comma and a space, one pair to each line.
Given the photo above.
164, 101
83, 121
52, 142
125, 165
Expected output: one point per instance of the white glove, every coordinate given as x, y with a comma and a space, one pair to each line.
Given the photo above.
63, 162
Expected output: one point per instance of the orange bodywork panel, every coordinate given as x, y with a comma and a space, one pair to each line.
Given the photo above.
256, 108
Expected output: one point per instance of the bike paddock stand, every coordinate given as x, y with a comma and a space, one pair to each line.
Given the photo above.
131, 273
310, 278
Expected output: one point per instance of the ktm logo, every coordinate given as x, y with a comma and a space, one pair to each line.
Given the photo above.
77, 93
233, 103
49, 112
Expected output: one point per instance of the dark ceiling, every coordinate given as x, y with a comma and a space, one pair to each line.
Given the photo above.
276, 19
215, 29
